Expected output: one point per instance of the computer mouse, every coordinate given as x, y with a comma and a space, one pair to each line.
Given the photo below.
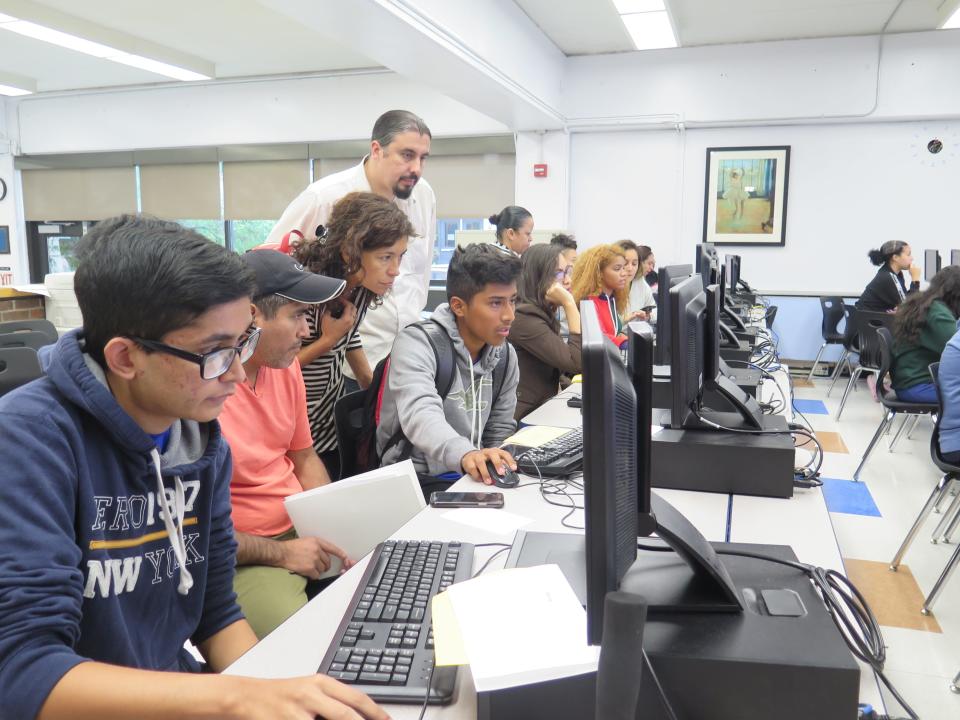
509, 479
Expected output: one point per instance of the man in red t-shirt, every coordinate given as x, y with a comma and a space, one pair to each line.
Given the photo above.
267, 428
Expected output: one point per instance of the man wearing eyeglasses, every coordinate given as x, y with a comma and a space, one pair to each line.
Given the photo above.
116, 544
267, 427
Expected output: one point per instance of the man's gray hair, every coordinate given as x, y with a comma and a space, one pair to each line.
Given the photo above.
269, 305
394, 122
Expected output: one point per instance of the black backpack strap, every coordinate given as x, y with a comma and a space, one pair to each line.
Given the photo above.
443, 352
500, 373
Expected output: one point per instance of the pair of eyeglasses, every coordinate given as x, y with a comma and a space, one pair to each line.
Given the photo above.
214, 363
561, 274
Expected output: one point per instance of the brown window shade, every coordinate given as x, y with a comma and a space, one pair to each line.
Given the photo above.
262, 190
471, 186
181, 192
79, 194
328, 166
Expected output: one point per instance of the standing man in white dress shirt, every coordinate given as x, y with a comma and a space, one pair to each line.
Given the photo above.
399, 147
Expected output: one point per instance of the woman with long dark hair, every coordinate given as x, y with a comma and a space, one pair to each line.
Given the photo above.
924, 324
363, 244
887, 289
542, 355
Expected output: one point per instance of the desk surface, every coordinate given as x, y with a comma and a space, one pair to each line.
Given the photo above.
297, 647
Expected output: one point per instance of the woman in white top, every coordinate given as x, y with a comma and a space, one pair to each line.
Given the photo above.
514, 229
639, 258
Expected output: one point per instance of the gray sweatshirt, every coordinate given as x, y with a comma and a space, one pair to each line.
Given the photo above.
444, 430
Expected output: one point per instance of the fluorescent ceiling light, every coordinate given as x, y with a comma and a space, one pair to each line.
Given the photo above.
97, 50
650, 30
953, 21
625, 7
12, 91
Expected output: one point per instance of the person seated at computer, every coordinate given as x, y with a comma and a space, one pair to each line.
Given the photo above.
923, 326
887, 289
364, 242
949, 380
641, 303
116, 545
460, 432
514, 229
535, 334
650, 272
568, 247
600, 276
267, 428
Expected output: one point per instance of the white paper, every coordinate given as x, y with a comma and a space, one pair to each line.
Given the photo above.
357, 513
35, 288
491, 520
521, 626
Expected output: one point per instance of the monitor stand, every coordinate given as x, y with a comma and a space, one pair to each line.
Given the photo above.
750, 415
692, 579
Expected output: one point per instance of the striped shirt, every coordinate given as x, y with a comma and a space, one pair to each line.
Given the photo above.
324, 376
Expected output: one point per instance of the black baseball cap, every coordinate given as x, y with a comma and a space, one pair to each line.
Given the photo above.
280, 274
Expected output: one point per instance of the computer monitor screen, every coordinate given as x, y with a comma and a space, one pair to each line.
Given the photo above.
687, 317
732, 263
711, 335
705, 259
931, 264
668, 276
609, 467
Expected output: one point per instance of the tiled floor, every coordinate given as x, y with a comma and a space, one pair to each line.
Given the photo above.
920, 663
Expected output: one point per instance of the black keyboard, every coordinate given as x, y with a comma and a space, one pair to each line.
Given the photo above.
560, 457
384, 645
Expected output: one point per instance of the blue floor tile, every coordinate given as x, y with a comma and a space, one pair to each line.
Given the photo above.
846, 496
810, 407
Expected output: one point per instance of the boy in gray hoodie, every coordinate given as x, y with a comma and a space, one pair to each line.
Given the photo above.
458, 433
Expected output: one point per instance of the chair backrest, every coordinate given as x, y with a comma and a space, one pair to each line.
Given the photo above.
770, 315
18, 366
833, 313
348, 420
884, 355
935, 453
851, 342
42, 326
28, 339
867, 324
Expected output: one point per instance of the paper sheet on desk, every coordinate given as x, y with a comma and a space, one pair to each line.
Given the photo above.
535, 435
521, 626
498, 521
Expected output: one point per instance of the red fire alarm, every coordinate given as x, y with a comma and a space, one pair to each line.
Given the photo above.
540, 170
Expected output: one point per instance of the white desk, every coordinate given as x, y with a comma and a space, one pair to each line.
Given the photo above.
297, 647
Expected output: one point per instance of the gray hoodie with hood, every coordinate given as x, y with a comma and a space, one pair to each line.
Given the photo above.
444, 430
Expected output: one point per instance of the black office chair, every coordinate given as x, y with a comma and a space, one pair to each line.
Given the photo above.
867, 324
18, 366
832, 309
951, 474
348, 420
851, 345
888, 398
25, 339
769, 316
42, 326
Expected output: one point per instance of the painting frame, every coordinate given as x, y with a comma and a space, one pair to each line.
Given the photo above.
745, 195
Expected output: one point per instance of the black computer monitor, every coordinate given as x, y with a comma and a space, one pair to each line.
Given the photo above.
618, 501
695, 362
931, 264
668, 276
955, 257
704, 260
732, 263
609, 466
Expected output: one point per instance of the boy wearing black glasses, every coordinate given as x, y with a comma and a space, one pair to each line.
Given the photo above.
267, 427
116, 545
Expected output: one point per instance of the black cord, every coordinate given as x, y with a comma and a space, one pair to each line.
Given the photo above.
489, 559
557, 486
426, 698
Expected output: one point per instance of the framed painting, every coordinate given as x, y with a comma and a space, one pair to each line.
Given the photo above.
745, 201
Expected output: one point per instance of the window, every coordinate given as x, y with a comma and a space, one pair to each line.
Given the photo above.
210, 229
447, 243
248, 234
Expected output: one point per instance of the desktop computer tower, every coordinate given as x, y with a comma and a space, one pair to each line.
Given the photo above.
752, 665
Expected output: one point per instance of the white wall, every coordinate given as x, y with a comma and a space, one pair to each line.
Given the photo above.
546, 198
334, 107
10, 214
851, 187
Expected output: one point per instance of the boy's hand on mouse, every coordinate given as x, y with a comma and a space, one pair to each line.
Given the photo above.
474, 463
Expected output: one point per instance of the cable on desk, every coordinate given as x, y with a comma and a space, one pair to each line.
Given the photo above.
555, 486
489, 560
426, 697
